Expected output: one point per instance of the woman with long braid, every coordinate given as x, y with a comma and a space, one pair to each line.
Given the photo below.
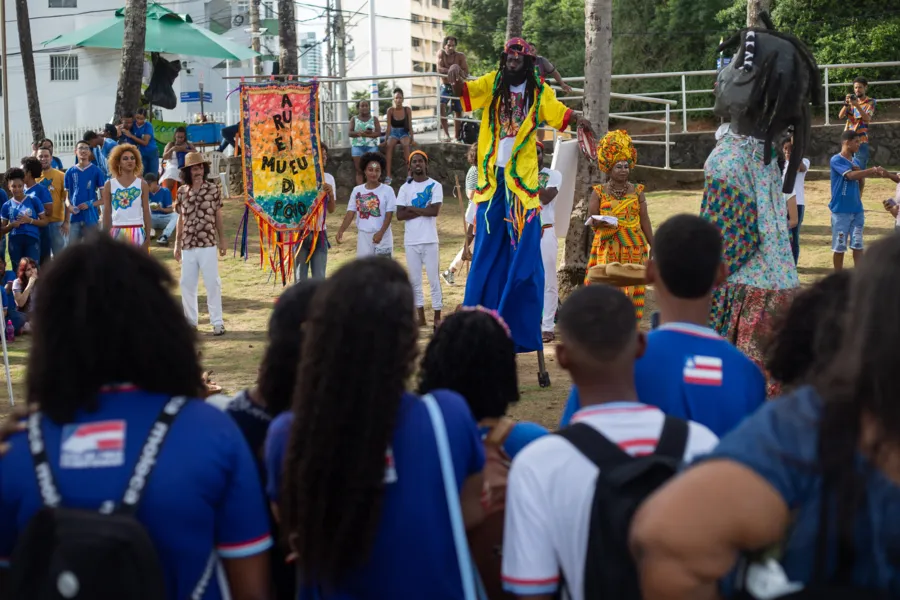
363, 504
507, 273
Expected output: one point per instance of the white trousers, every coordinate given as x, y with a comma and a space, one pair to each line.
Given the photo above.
365, 246
549, 248
195, 262
425, 255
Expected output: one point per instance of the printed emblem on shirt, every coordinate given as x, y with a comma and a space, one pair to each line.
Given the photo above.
93, 445
390, 469
703, 370
510, 127
423, 198
125, 197
543, 180
368, 205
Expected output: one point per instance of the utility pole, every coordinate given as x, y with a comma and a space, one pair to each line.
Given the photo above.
373, 58
340, 40
5, 87
254, 36
754, 9
329, 36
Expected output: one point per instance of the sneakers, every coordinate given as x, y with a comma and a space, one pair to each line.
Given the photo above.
448, 277
163, 240
218, 330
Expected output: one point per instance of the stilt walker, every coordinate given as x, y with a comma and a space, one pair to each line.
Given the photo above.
764, 91
507, 273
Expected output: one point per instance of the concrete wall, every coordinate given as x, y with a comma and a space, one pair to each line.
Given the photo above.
691, 149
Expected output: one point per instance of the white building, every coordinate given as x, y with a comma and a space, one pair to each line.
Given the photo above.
310, 54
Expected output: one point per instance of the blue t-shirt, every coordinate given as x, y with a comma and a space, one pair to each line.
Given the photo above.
202, 498
99, 159
692, 373
413, 555
55, 163
108, 145
253, 421
521, 434
9, 301
30, 207
82, 185
845, 197
141, 131
780, 444
162, 196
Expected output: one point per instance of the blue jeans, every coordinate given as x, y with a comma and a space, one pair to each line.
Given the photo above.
150, 158
80, 230
22, 246
847, 228
360, 150
399, 132
164, 221
18, 320
795, 233
446, 94
862, 155
52, 241
318, 261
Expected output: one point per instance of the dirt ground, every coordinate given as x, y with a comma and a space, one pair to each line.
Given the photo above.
249, 291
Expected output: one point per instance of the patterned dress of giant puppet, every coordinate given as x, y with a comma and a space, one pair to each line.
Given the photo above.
764, 92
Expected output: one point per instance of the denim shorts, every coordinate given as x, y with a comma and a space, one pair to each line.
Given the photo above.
862, 155
446, 95
360, 150
399, 132
847, 226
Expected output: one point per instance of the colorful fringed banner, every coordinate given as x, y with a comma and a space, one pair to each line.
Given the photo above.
282, 169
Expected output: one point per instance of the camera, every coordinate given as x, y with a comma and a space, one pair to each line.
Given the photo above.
853, 97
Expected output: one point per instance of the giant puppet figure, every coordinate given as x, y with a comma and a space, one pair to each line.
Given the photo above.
507, 273
764, 92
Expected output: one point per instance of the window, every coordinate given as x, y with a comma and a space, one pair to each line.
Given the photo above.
416, 18
445, 4
269, 11
63, 4
416, 42
63, 67
435, 2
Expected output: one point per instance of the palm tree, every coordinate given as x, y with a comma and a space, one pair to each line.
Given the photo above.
128, 94
514, 18
34, 105
287, 35
597, 87
754, 9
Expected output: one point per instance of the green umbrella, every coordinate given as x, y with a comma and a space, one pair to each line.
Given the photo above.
167, 32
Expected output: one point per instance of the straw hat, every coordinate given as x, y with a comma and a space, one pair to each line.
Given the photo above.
194, 158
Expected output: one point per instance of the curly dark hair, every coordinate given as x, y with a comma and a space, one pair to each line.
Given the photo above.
472, 355
32, 166
358, 354
472, 154
111, 302
370, 157
15, 173
808, 333
187, 177
278, 370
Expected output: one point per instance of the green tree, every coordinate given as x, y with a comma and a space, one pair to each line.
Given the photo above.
384, 91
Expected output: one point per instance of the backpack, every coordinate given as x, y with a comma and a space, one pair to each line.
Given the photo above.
622, 486
486, 540
469, 133
94, 555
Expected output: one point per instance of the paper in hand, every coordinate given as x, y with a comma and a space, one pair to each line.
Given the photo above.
612, 221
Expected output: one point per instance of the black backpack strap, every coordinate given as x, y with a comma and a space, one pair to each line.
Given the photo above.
159, 431
46, 483
673, 439
595, 446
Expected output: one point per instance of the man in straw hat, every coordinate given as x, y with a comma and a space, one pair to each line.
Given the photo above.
507, 272
198, 233
418, 204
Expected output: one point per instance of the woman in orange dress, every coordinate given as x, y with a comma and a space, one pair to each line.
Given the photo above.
628, 240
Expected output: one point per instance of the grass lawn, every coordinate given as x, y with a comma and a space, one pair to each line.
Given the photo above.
249, 292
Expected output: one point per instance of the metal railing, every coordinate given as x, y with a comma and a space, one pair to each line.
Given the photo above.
684, 91
64, 141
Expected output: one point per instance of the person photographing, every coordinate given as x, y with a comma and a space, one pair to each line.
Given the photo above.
859, 110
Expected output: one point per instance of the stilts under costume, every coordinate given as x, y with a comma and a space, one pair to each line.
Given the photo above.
507, 273
764, 91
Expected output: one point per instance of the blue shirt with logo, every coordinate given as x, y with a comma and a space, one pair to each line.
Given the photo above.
163, 197
692, 373
108, 145
83, 185
55, 163
140, 131
413, 555
845, 196
780, 443
202, 501
30, 206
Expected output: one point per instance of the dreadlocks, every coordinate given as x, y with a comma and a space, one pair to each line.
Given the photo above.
784, 79
503, 82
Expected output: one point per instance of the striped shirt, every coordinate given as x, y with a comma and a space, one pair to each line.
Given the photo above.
472, 179
550, 491
855, 122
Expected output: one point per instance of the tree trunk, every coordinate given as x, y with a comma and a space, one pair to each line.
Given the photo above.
254, 36
287, 36
31, 91
128, 94
597, 87
754, 8
514, 18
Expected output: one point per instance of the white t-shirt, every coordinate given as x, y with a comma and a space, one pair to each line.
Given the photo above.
420, 194
551, 490
553, 180
471, 213
370, 206
329, 179
799, 183
508, 132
